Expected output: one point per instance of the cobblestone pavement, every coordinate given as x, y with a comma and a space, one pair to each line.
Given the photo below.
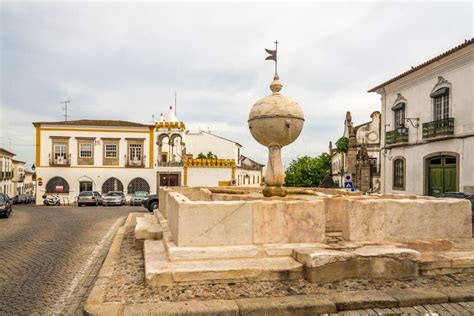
49, 256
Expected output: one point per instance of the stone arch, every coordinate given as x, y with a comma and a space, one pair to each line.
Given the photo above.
55, 182
112, 184
138, 184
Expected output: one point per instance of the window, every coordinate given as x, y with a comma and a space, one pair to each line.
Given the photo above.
60, 152
135, 152
399, 116
373, 165
112, 184
110, 150
399, 174
440, 103
441, 107
57, 185
85, 150
138, 184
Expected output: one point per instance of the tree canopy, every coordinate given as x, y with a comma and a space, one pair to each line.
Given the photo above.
342, 144
307, 171
209, 155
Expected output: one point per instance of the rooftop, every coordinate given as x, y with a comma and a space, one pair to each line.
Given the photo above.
3, 150
426, 63
87, 122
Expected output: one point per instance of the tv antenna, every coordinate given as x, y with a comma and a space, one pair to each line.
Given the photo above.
66, 103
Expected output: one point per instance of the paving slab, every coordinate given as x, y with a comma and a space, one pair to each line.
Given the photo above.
362, 299
459, 294
411, 297
195, 308
293, 305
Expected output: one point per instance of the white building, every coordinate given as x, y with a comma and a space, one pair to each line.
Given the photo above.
428, 125
105, 155
6, 172
18, 178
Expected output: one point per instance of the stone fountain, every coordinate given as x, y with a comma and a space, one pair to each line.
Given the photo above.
275, 121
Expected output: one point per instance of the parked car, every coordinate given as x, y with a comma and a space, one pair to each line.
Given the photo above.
151, 202
114, 198
138, 198
30, 198
20, 199
5, 205
89, 198
459, 195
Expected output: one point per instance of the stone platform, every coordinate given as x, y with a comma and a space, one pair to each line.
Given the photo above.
198, 236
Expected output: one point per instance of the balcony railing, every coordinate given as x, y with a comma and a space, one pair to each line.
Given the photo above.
170, 163
60, 161
136, 163
443, 127
396, 137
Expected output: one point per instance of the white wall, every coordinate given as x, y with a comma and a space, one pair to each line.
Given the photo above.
204, 142
208, 176
46, 142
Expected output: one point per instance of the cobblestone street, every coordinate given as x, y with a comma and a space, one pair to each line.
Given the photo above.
49, 256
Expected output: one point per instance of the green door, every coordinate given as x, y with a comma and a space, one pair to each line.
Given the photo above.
441, 175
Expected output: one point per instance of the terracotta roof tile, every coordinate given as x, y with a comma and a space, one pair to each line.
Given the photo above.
95, 123
426, 63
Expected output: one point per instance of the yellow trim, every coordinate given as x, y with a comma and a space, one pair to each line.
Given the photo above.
233, 172
38, 145
209, 163
93, 130
151, 140
97, 167
185, 180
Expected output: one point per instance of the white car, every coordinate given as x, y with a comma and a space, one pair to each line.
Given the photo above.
113, 198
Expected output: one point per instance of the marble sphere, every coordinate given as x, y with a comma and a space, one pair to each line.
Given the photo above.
276, 119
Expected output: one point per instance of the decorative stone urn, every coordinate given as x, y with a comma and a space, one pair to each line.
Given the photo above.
275, 121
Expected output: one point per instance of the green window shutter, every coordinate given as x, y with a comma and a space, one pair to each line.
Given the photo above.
439, 92
398, 106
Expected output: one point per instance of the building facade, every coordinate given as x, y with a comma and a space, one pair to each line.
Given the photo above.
6, 172
428, 126
19, 175
105, 155
359, 162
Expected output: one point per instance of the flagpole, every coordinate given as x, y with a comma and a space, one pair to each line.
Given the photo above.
276, 58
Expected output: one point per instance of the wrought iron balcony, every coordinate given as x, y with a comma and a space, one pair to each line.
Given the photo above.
136, 163
444, 127
60, 161
396, 136
170, 163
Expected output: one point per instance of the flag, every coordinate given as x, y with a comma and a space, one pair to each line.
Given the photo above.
273, 54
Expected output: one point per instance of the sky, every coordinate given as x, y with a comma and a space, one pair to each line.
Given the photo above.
125, 60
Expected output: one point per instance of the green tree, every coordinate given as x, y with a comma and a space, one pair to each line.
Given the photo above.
307, 171
342, 144
209, 155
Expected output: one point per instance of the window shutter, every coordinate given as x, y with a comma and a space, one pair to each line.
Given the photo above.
398, 106
439, 92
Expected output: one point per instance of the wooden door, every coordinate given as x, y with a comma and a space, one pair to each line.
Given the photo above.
441, 175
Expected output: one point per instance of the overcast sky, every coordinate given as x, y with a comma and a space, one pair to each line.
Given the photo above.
125, 61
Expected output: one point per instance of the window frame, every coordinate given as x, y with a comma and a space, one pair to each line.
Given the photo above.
399, 184
106, 150
80, 151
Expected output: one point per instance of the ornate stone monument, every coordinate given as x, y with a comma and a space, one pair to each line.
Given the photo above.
275, 121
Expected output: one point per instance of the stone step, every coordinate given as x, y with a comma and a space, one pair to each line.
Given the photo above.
159, 271
329, 265
447, 262
147, 228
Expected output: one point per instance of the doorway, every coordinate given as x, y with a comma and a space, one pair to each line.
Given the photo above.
85, 186
169, 179
441, 175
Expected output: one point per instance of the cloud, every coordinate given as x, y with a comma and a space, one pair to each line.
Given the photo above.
126, 60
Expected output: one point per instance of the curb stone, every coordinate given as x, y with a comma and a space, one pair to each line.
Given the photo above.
290, 305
